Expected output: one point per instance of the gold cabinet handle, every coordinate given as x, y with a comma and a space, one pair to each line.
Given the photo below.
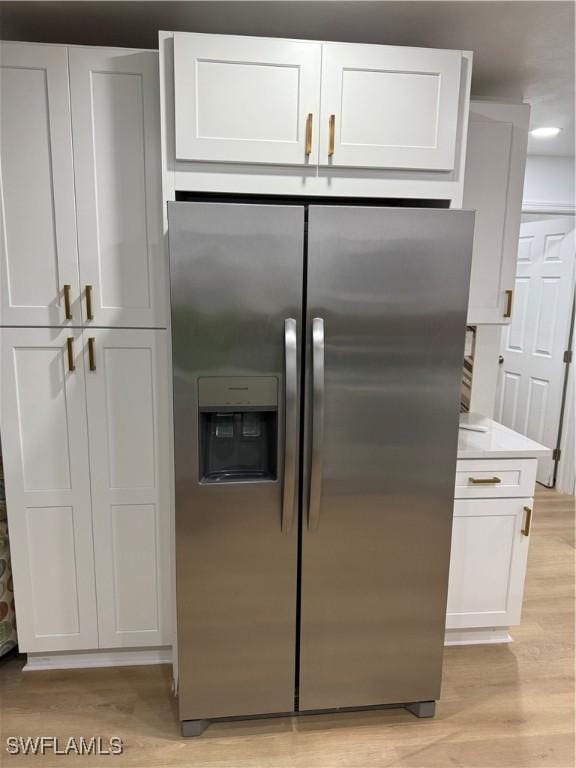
508, 310
67, 307
332, 133
70, 350
91, 354
484, 480
527, 521
89, 313
309, 134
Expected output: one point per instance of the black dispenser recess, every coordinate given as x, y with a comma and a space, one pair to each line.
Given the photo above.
238, 418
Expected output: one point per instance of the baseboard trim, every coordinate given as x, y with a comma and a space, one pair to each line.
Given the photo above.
119, 657
124, 657
485, 636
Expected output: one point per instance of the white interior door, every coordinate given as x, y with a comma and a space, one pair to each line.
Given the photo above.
45, 453
533, 345
388, 106
246, 99
37, 218
116, 136
127, 398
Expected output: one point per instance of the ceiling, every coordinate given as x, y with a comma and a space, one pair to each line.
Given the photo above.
522, 50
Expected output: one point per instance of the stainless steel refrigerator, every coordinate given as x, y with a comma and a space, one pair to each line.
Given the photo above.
317, 358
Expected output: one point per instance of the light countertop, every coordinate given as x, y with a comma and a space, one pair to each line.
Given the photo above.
499, 442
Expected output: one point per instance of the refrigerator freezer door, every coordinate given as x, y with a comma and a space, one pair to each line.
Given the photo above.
236, 276
391, 286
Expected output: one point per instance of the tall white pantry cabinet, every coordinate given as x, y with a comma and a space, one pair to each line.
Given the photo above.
84, 347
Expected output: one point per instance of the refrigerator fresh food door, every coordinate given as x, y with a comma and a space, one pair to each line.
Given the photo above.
387, 296
236, 284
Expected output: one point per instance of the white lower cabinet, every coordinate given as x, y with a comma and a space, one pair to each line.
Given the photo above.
490, 540
45, 455
86, 465
127, 401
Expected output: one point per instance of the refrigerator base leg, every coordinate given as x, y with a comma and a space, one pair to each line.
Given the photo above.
422, 708
194, 727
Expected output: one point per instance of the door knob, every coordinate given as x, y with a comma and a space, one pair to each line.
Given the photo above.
500, 359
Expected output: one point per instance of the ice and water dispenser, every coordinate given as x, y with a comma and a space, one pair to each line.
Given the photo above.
238, 428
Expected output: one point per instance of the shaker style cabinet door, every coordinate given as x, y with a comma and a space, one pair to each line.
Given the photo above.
38, 262
246, 99
45, 453
389, 107
494, 532
493, 185
127, 397
116, 136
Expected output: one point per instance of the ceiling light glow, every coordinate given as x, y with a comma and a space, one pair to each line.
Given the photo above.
545, 133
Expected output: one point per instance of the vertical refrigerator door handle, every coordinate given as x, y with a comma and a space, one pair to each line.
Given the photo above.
317, 423
290, 422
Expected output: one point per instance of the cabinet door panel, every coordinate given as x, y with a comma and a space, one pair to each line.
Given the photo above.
495, 161
393, 107
245, 99
115, 125
37, 218
45, 452
128, 419
487, 563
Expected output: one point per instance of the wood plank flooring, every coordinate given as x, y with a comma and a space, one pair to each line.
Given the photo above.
509, 706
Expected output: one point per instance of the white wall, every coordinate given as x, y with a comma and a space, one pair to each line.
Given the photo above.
548, 188
549, 184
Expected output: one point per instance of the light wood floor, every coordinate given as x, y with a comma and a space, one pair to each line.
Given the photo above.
502, 705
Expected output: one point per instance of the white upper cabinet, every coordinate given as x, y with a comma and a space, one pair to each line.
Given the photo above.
260, 100
116, 137
389, 107
127, 395
246, 99
45, 453
37, 219
493, 183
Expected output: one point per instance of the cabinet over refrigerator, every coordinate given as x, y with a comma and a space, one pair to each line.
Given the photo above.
317, 357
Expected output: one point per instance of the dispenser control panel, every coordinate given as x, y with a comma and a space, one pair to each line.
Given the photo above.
219, 392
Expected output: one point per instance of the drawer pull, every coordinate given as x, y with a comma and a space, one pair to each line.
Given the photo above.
527, 521
484, 480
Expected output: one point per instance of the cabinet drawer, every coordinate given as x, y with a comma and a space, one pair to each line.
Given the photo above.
489, 478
